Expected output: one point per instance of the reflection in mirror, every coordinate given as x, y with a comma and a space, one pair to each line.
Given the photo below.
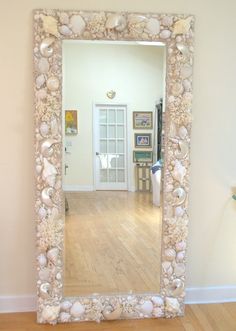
112, 119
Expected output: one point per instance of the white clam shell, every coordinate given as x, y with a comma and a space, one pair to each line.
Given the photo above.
65, 30
116, 22
64, 317
44, 274
42, 213
77, 24
181, 246
180, 256
187, 85
179, 171
40, 80
53, 83
66, 305
44, 129
153, 26
50, 313
179, 269
179, 196
47, 147
42, 260
77, 309
147, 307
186, 71
167, 21
46, 48
41, 94
46, 195
172, 305
64, 18
170, 254
183, 132
177, 89
53, 254
111, 313
182, 26
50, 25
182, 151
43, 65
179, 211
158, 301
165, 34
45, 290
39, 168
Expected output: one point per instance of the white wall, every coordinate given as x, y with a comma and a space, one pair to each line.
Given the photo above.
134, 72
212, 244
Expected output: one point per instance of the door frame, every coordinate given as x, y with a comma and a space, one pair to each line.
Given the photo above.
128, 141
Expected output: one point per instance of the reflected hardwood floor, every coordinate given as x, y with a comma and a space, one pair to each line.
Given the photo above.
112, 243
213, 317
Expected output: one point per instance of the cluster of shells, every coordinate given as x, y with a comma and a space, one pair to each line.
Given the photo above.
50, 28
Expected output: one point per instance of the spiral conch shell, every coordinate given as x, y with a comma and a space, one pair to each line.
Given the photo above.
46, 47
46, 195
177, 287
182, 152
179, 196
116, 22
45, 290
49, 172
47, 147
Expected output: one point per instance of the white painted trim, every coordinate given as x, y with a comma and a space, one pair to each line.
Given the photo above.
15, 304
194, 295
211, 294
78, 188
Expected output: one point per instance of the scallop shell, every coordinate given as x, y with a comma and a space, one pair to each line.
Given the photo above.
183, 132
186, 71
172, 305
111, 313
153, 26
182, 26
179, 269
65, 30
170, 254
45, 290
53, 83
66, 305
46, 47
50, 313
77, 309
147, 307
44, 274
64, 18
165, 34
182, 151
116, 22
77, 24
167, 267
46, 195
179, 171
179, 211
167, 21
64, 317
179, 196
182, 48
40, 80
181, 246
43, 65
177, 89
47, 147
42, 213
50, 25
42, 260
44, 129
52, 254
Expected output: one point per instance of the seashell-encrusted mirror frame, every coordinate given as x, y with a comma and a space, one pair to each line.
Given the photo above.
50, 28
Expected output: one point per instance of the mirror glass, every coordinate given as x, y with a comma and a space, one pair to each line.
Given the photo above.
112, 119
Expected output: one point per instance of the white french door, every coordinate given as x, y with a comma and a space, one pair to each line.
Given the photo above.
110, 142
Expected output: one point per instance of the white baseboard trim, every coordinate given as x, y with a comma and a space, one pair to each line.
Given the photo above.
194, 295
211, 294
17, 304
78, 188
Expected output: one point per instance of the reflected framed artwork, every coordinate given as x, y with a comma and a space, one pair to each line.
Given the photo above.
143, 140
142, 120
71, 124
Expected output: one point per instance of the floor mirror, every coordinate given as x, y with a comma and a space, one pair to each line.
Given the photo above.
113, 98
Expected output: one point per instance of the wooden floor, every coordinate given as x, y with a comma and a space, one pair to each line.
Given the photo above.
112, 243
214, 317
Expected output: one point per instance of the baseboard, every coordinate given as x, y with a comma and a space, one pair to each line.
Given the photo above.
194, 295
78, 188
15, 304
211, 294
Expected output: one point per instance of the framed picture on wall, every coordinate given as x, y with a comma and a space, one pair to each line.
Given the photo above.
142, 120
71, 125
143, 140
142, 156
